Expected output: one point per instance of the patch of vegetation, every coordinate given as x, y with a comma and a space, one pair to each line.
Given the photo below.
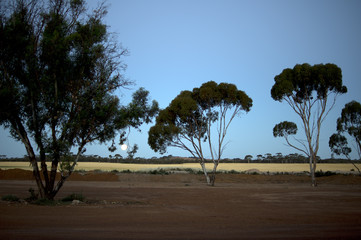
324, 174
192, 171
10, 198
73, 196
33, 196
232, 172
45, 202
159, 172
282, 173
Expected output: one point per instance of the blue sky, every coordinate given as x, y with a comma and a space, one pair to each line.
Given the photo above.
178, 45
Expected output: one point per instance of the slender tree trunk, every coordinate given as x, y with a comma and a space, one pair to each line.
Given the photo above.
213, 176
205, 172
313, 170
32, 158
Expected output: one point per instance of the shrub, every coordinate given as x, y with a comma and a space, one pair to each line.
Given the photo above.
44, 202
159, 171
73, 196
324, 174
33, 195
10, 198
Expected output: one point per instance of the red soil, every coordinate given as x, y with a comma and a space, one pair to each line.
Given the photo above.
181, 206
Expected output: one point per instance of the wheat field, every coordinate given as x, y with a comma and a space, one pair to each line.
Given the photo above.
240, 167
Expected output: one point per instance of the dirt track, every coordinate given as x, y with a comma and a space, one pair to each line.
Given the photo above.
181, 206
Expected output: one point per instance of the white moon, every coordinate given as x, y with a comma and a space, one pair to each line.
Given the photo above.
124, 147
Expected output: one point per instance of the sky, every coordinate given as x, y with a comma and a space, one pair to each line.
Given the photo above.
178, 45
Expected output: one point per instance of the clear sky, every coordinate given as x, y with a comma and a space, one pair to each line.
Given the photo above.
177, 45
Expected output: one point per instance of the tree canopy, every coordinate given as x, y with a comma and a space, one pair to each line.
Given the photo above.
284, 129
187, 122
350, 120
301, 82
59, 70
350, 123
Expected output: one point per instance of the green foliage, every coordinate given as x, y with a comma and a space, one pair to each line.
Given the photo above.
301, 81
190, 113
59, 70
338, 145
284, 128
159, 172
10, 198
66, 163
350, 121
132, 151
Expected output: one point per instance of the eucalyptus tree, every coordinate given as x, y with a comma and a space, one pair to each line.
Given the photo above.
350, 123
188, 121
248, 158
311, 92
59, 70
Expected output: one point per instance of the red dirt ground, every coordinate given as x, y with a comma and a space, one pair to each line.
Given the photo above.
181, 206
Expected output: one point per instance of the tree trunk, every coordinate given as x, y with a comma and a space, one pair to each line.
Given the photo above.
313, 170
19, 128
205, 173
213, 176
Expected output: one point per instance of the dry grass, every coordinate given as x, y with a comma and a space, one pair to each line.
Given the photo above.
263, 167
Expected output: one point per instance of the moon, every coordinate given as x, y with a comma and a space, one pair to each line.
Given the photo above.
124, 147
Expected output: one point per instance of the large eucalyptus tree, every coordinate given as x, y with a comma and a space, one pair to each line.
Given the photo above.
187, 122
59, 69
311, 92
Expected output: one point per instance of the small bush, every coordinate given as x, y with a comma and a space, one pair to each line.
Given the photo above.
33, 195
189, 170
44, 202
10, 198
73, 196
159, 171
324, 174
126, 171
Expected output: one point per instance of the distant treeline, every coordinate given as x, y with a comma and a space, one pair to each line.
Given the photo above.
291, 158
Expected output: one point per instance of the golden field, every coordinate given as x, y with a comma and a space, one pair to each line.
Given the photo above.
262, 167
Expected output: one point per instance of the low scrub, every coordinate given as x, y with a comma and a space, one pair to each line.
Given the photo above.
159, 172
74, 196
324, 174
10, 198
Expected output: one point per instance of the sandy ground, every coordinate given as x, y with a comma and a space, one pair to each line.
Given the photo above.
181, 206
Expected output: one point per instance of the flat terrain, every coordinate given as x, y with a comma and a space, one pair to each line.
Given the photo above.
181, 206
241, 167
